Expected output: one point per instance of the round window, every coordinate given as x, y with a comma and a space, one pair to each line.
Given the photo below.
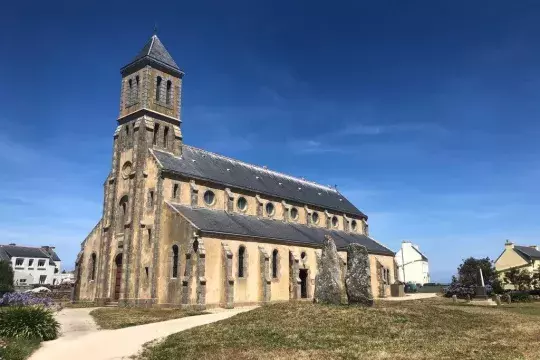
209, 197
294, 213
242, 203
270, 210
335, 221
315, 218
353, 225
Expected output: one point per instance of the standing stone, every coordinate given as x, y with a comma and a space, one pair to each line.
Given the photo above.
358, 278
454, 299
498, 299
468, 297
328, 280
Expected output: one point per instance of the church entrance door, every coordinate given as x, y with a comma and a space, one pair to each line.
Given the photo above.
303, 283
118, 277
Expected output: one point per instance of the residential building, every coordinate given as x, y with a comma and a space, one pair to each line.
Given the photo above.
413, 265
518, 257
32, 265
182, 226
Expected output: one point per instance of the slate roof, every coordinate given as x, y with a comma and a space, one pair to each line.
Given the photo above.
419, 252
10, 251
154, 52
204, 165
528, 252
221, 222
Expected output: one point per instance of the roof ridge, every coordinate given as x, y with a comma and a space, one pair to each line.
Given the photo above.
264, 170
151, 44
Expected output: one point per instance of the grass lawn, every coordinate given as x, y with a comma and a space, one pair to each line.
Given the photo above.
116, 318
422, 329
17, 349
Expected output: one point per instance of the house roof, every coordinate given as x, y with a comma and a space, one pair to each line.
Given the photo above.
421, 254
222, 222
204, 165
528, 252
154, 52
9, 251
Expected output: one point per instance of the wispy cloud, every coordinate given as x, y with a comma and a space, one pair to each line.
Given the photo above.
381, 129
314, 147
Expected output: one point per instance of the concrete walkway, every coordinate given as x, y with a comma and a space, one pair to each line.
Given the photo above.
415, 296
81, 340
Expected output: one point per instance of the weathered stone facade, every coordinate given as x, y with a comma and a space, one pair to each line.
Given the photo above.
150, 253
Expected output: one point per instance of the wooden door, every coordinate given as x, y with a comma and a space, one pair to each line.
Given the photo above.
118, 277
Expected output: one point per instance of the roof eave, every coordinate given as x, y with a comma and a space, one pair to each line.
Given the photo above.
340, 248
149, 60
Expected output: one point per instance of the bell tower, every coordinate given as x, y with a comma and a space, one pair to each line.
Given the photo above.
150, 119
152, 89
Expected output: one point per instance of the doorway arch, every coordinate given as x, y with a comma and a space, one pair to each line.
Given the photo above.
118, 276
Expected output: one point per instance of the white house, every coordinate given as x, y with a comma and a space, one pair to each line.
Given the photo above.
412, 264
32, 265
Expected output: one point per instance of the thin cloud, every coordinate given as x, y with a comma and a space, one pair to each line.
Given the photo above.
303, 147
371, 129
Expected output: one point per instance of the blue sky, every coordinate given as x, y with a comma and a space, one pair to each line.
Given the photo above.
425, 114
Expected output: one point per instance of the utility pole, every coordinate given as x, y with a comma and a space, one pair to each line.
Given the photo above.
403, 262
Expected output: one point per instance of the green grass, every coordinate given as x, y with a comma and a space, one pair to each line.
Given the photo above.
424, 329
17, 349
117, 318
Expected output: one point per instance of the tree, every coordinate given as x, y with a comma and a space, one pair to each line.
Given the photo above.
468, 271
6, 277
520, 278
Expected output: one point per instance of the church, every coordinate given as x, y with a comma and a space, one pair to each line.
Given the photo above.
185, 227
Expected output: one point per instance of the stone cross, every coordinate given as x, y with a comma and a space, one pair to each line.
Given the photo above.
481, 278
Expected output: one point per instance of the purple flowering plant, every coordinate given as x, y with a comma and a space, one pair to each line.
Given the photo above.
24, 299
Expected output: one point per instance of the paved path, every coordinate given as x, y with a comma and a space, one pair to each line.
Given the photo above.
81, 340
415, 296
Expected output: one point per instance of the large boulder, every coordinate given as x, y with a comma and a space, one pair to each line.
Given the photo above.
358, 277
328, 285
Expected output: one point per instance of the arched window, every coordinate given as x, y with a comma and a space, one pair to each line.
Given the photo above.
175, 261
130, 91
93, 267
158, 88
137, 87
241, 261
274, 263
168, 95
354, 226
165, 136
335, 221
156, 132
122, 213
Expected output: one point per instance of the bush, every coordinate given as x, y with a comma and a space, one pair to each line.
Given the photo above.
461, 291
6, 277
24, 299
520, 296
30, 322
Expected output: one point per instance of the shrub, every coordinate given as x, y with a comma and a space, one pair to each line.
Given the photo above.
6, 277
461, 291
520, 296
29, 322
24, 299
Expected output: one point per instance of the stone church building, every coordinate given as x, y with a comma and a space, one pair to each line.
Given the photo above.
182, 226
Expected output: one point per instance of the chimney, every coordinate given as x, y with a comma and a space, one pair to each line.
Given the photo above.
508, 244
48, 249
